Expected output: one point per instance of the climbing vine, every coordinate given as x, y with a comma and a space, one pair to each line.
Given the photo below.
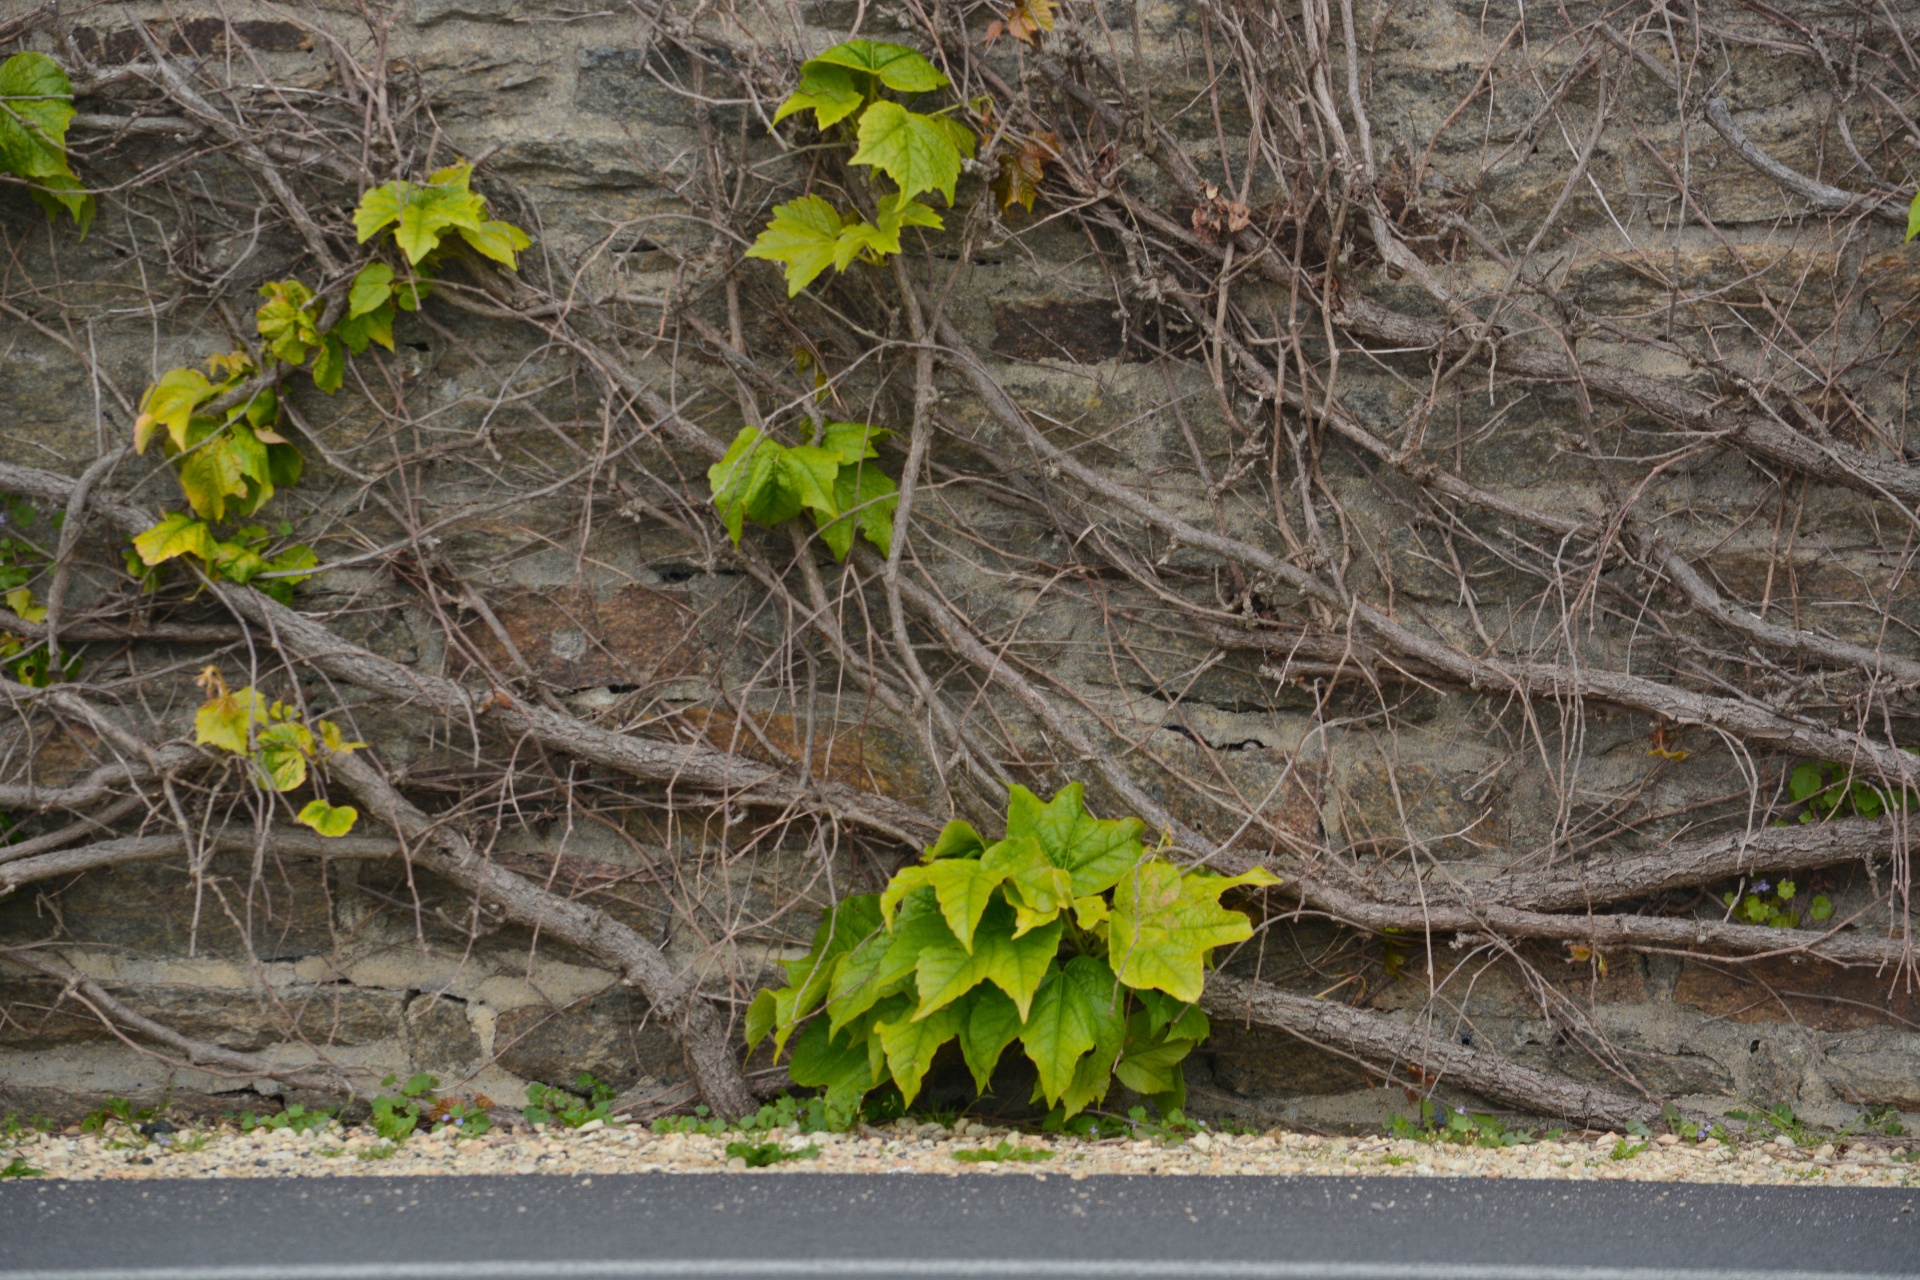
36, 106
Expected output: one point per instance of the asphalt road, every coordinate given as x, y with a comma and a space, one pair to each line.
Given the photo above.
720, 1226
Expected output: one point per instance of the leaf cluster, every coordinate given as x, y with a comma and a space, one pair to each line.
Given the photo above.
845, 88
272, 737
1458, 1127
761, 1155
834, 481
1830, 790
296, 1118
549, 1105
1006, 1152
36, 105
1772, 903
27, 662
229, 462
1066, 937
396, 1116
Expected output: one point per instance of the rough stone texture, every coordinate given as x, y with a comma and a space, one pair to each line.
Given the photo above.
583, 115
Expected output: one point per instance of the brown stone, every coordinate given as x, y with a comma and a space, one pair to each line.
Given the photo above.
1809, 993
33, 1014
576, 638
866, 756
1076, 332
1259, 1062
194, 37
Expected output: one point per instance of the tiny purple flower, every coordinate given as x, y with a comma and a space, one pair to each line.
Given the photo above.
1762, 887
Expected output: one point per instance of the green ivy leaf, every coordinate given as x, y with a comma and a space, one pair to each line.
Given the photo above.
893, 65
886, 963
223, 720
358, 332
946, 970
285, 321
918, 152
1076, 1009
332, 821
176, 535
330, 366
842, 929
911, 1042
1804, 781
1821, 908
868, 497
872, 242
372, 289
421, 213
957, 839
839, 1064
803, 235
1165, 925
1913, 217
284, 749
501, 241
992, 1025
826, 90
170, 403
1097, 852
1151, 1062
36, 105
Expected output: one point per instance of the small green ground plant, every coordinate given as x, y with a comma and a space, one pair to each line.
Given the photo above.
1006, 1152
1067, 937
1459, 1127
296, 1118
1773, 903
762, 1155
548, 1105
395, 1117
19, 1168
806, 1115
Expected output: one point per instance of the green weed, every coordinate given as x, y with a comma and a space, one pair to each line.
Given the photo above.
548, 1105
759, 1155
1005, 1151
19, 1168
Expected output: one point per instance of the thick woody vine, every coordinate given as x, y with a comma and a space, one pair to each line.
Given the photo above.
803, 382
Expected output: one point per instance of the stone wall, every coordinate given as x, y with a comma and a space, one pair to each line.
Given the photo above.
583, 119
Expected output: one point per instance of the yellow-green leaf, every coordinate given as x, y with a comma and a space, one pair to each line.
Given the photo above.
20, 600
286, 321
330, 820
957, 839
501, 241
827, 90
1165, 925
911, 1042
223, 721
803, 235
893, 65
284, 749
372, 288
170, 403
176, 535
1095, 851
334, 740
919, 152
36, 106
945, 970
993, 1023
964, 888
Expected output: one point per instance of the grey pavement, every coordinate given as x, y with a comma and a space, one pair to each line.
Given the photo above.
922, 1227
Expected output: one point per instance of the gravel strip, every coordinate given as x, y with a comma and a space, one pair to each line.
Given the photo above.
910, 1148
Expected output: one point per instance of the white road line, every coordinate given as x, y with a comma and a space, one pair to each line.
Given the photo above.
931, 1268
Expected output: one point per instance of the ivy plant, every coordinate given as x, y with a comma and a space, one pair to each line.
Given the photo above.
27, 662
220, 428
36, 105
846, 89
1067, 937
1773, 903
273, 739
834, 480
1831, 790
229, 461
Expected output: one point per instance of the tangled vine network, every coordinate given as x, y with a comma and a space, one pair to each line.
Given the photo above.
1493, 431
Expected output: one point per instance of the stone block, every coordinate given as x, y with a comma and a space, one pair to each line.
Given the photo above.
654, 85
575, 638
1879, 1070
608, 1036
1260, 1062
439, 1037
1796, 990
